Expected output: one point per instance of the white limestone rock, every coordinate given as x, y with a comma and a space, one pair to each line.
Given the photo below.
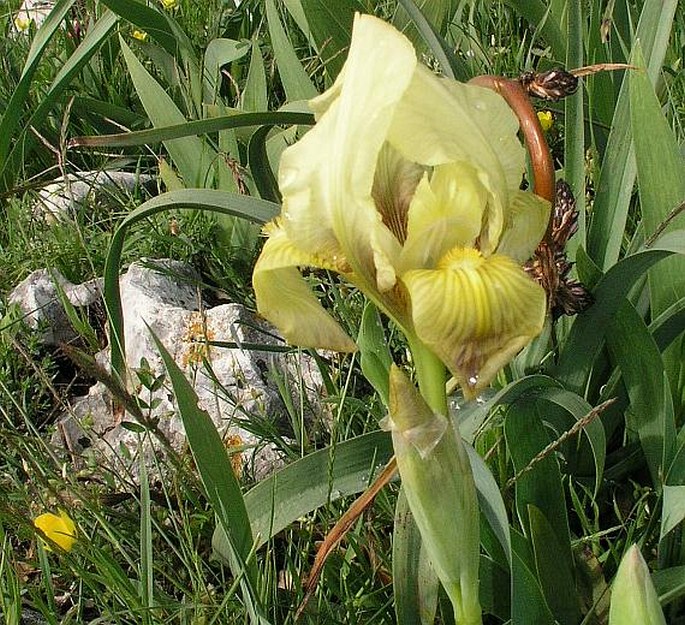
235, 386
61, 197
38, 296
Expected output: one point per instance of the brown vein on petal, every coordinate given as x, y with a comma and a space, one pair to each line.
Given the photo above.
393, 189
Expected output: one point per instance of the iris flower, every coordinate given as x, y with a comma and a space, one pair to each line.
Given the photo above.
60, 529
408, 186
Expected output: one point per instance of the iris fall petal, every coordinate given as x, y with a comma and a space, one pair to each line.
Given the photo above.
286, 300
475, 313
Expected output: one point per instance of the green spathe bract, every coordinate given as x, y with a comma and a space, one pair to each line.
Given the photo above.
439, 486
633, 598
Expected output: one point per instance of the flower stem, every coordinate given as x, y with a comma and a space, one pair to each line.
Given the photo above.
430, 374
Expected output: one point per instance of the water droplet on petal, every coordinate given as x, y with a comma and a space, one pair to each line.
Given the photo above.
454, 405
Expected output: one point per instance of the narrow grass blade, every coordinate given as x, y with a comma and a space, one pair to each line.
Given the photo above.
669, 584
574, 123
220, 484
295, 80
197, 127
260, 167
294, 491
330, 24
220, 52
495, 588
528, 604
153, 22
191, 155
475, 416
9, 163
449, 63
577, 408
296, 11
554, 569
490, 501
15, 107
541, 486
415, 584
661, 182
538, 15
146, 558
651, 411
617, 175
672, 509
586, 337
254, 97
90, 107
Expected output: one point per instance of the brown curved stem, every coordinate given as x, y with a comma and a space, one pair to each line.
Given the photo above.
540, 156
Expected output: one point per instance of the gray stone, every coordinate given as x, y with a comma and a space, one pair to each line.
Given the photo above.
39, 298
60, 198
235, 386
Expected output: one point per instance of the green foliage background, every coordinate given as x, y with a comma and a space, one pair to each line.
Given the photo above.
206, 104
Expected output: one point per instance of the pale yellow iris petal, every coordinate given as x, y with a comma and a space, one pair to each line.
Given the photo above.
446, 212
475, 313
326, 178
528, 217
466, 123
322, 102
284, 298
485, 108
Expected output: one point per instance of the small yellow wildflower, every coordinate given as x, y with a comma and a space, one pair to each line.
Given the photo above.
22, 22
140, 35
170, 4
60, 530
546, 119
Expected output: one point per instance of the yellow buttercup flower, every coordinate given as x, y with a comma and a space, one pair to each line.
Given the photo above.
408, 186
170, 4
59, 529
140, 35
546, 119
22, 22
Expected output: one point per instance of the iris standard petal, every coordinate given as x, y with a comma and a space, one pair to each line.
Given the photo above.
446, 212
326, 178
475, 313
284, 298
466, 123
527, 218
